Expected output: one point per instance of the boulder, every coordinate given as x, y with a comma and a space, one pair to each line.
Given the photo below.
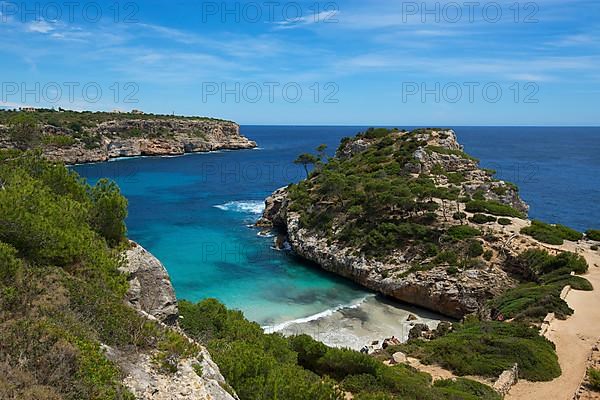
399, 358
150, 288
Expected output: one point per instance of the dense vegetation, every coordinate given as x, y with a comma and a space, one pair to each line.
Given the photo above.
489, 348
374, 201
61, 292
263, 366
31, 129
593, 234
67, 118
551, 234
543, 279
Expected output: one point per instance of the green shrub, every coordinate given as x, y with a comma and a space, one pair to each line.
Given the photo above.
456, 178
504, 221
488, 254
461, 232
461, 388
489, 348
548, 275
482, 219
594, 378
309, 351
58, 140
475, 249
459, 216
339, 363
24, 130
447, 151
551, 234
494, 208
593, 234
109, 211
452, 270
61, 293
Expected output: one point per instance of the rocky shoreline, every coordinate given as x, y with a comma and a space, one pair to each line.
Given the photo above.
152, 295
136, 137
453, 294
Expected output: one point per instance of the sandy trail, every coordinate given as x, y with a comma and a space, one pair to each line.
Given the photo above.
574, 338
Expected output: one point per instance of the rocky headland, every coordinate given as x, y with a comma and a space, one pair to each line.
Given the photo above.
426, 267
102, 139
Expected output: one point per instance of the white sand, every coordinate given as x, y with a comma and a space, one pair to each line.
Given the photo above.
375, 319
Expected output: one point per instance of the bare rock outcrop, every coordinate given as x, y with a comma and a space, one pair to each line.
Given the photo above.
152, 294
150, 288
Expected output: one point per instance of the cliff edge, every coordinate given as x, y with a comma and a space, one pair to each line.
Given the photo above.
152, 295
76, 138
406, 214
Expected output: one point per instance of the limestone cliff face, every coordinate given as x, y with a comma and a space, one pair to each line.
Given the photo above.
152, 294
454, 293
142, 137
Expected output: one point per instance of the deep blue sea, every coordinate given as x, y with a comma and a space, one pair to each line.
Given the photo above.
193, 212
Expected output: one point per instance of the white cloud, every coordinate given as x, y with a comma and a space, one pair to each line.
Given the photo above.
40, 27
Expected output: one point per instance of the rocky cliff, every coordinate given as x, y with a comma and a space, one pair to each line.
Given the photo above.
123, 137
406, 273
152, 294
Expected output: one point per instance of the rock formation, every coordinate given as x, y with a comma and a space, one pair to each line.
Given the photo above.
138, 137
152, 294
150, 288
453, 293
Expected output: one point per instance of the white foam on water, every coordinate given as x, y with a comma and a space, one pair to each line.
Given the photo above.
248, 206
323, 314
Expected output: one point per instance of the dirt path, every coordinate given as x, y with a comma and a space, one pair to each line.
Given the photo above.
574, 339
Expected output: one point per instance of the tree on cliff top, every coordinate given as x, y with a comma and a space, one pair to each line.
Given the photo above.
305, 160
24, 130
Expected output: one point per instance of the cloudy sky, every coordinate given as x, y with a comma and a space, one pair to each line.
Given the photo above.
352, 62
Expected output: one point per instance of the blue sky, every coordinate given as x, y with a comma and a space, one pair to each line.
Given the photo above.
354, 62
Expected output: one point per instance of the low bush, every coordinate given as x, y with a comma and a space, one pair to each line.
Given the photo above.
544, 276
504, 221
459, 216
593, 234
551, 234
475, 249
454, 388
462, 232
594, 378
269, 367
482, 219
489, 348
58, 140
494, 208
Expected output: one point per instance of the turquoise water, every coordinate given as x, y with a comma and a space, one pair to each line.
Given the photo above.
193, 212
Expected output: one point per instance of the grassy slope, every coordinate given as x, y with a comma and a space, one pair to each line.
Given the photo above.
61, 292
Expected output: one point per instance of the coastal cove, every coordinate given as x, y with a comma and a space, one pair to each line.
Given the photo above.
194, 213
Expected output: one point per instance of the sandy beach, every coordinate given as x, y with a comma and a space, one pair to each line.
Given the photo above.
374, 319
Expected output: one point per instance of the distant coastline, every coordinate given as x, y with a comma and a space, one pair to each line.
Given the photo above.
83, 138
